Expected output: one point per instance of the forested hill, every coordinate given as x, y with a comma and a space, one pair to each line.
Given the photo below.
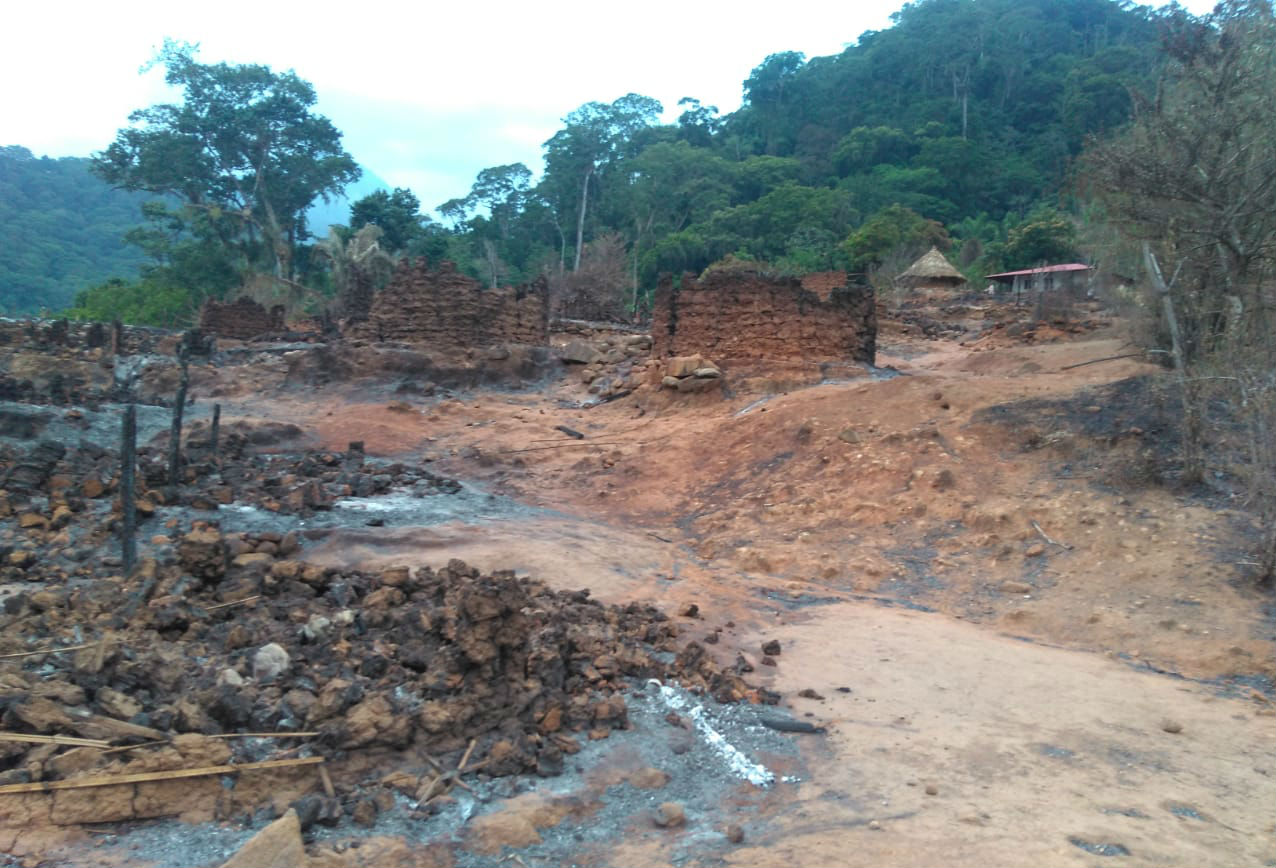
63, 229
956, 126
963, 106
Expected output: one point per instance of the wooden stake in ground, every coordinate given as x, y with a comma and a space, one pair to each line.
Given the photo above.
128, 490
179, 405
216, 429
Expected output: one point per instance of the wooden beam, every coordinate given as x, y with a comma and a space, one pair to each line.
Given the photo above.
144, 777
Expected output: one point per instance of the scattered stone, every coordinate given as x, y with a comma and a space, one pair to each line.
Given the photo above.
1035, 550
276, 846
1015, 588
670, 815
932, 790
365, 813
771, 648
116, 704
809, 693
735, 833
270, 662
648, 778
874, 825
1171, 726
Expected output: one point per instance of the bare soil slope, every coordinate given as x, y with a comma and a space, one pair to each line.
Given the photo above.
860, 523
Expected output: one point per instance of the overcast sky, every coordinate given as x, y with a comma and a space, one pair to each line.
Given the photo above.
426, 94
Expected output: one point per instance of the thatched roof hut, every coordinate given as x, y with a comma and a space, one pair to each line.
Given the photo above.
932, 270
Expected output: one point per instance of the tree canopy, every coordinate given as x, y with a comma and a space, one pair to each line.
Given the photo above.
969, 114
243, 152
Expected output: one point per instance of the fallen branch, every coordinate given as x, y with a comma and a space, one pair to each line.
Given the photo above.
561, 446
265, 735
1045, 536
232, 603
144, 777
127, 747
68, 740
1104, 359
47, 651
616, 396
570, 432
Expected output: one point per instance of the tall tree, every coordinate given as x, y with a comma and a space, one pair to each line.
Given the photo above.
398, 214
1194, 180
768, 94
244, 144
595, 137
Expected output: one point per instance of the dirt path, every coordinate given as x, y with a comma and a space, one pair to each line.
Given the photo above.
1038, 756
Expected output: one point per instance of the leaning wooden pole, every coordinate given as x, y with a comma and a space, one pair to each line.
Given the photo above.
1193, 460
128, 490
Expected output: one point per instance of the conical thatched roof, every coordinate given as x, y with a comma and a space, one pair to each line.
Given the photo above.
931, 268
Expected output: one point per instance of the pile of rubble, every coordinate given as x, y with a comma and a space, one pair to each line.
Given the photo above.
65, 502
612, 364
503, 668
689, 374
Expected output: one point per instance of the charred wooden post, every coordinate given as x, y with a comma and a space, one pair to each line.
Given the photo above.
128, 490
216, 431
179, 405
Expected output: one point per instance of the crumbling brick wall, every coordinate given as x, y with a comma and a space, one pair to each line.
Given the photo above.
740, 314
241, 319
446, 309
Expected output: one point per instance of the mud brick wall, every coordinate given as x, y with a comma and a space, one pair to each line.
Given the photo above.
446, 309
52, 335
747, 315
241, 319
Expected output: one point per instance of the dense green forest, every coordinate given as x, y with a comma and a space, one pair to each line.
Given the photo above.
63, 229
959, 126
956, 126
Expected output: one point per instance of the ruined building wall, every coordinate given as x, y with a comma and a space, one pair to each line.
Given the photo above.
446, 309
746, 315
241, 319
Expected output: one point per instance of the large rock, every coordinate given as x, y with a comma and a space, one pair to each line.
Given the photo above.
685, 366
578, 351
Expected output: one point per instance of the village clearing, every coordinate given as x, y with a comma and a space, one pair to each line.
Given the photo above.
1014, 643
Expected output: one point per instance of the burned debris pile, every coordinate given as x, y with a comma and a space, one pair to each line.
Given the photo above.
422, 658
